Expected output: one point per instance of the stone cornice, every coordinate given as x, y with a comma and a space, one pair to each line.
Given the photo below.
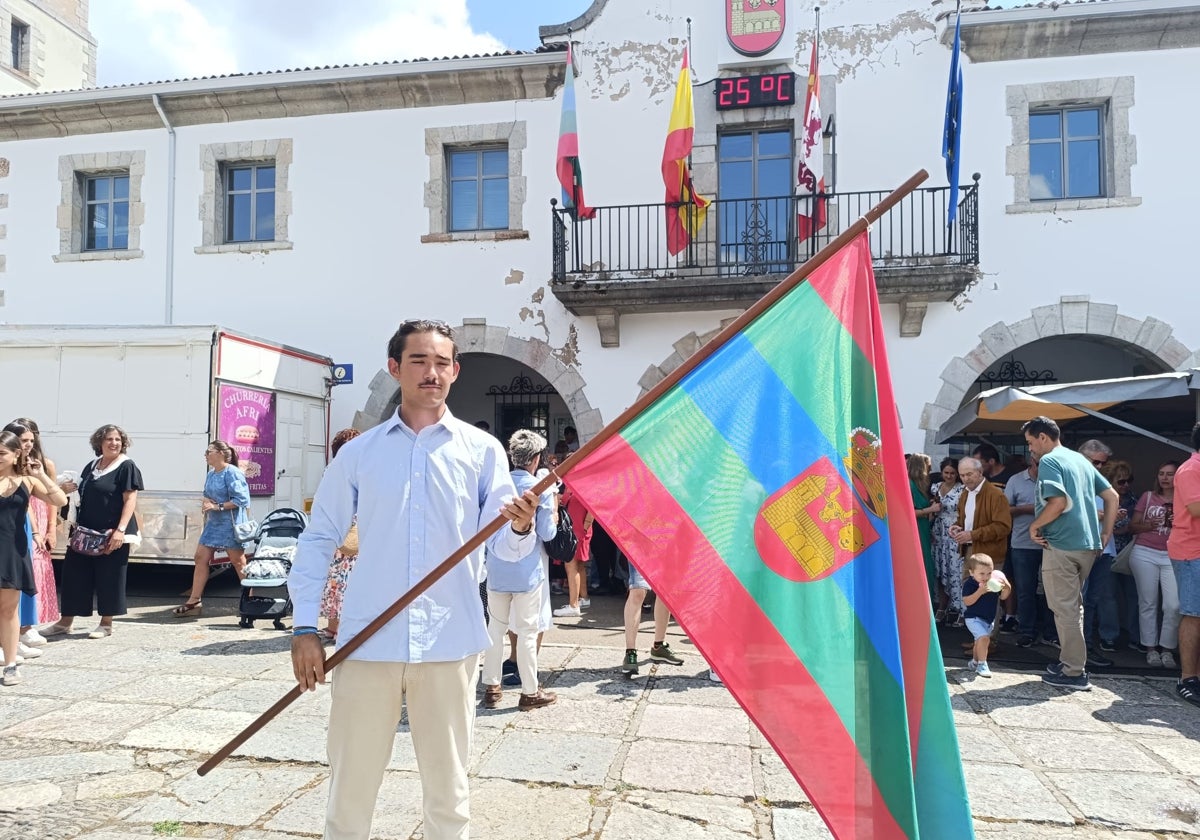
288, 94
1050, 31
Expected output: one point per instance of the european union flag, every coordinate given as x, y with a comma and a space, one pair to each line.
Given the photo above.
952, 133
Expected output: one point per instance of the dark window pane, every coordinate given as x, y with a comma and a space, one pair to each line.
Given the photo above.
120, 225
495, 162
464, 164
774, 143
237, 218
1045, 126
264, 224
1083, 161
266, 177
240, 179
121, 187
1083, 123
775, 176
1045, 170
736, 179
464, 205
97, 227
495, 204
734, 146
97, 189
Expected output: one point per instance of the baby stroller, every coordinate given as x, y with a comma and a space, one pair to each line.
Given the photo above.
272, 548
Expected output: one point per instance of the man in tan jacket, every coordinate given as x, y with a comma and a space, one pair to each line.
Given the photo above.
984, 520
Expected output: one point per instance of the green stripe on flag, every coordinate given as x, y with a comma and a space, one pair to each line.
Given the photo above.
713, 486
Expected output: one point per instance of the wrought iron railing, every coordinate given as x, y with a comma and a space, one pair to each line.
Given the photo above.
760, 236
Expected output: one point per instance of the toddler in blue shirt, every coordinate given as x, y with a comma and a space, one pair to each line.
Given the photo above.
982, 591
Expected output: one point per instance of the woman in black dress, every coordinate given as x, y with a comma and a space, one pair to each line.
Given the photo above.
108, 488
18, 483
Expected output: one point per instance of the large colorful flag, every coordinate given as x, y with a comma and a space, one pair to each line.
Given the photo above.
952, 130
766, 500
811, 173
570, 172
685, 209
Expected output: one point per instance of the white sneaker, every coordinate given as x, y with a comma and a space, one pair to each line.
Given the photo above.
11, 675
567, 612
982, 669
33, 638
1154, 658
585, 602
712, 676
28, 652
1168, 659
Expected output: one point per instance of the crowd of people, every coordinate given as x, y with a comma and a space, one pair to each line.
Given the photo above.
1082, 561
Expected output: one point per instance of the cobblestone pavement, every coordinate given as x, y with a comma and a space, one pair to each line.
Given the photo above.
102, 739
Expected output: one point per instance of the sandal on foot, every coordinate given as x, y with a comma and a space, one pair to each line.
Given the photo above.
55, 629
190, 608
102, 631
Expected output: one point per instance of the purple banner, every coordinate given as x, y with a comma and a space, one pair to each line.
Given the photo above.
246, 421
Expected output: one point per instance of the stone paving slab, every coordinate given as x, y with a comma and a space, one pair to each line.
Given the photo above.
690, 768
64, 765
15, 709
194, 730
695, 723
798, 824
1080, 751
499, 805
779, 785
114, 785
700, 691
89, 721
1004, 792
169, 689
980, 743
1023, 713
68, 682
1153, 720
1182, 755
572, 715
596, 685
397, 810
630, 821
566, 758
1134, 800
234, 795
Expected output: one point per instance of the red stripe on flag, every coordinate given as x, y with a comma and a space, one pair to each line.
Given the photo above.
726, 623
841, 284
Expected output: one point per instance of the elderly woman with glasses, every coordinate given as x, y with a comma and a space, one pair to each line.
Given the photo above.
226, 499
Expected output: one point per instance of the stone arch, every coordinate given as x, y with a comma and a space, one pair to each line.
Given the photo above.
1072, 315
475, 336
684, 347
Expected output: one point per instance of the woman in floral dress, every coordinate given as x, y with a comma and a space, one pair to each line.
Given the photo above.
946, 555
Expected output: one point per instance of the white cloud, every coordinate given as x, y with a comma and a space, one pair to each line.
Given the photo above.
151, 40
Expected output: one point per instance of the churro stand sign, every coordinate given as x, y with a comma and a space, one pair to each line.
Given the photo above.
246, 421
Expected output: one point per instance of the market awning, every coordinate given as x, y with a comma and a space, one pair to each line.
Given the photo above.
1003, 410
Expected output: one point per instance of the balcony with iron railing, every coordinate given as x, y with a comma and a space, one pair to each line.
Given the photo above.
617, 262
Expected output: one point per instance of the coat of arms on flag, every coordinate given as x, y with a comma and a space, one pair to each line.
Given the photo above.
754, 27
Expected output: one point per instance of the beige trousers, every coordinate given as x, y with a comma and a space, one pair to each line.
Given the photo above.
1063, 576
362, 726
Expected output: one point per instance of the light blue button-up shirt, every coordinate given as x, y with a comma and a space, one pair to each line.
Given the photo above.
418, 499
529, 571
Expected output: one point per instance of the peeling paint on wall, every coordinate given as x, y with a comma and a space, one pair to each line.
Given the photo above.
514, 276
539, 294
568, 354
607, 65
847, 49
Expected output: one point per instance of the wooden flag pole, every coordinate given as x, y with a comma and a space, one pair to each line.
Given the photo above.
670, 381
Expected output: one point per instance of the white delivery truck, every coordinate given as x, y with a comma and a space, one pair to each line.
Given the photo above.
172, 389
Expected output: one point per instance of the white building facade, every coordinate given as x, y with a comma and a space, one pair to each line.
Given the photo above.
45, 45
322, 207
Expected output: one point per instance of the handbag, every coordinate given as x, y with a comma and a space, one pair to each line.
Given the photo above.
244, 532
88, 542
1121, 561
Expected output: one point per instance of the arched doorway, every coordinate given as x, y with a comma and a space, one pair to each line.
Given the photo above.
494, 359
1071, 341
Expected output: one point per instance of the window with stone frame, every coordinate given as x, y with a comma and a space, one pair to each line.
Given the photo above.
100, 211
1071, 145
245, 205
476, 186
19, 38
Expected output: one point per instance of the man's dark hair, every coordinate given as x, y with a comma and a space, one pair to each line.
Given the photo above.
986, 452
1041, 426
570, 430
396, 342
1196, 437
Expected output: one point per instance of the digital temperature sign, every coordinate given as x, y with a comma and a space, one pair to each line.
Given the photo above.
756, 91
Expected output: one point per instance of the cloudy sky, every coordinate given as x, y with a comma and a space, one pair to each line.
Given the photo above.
152, 40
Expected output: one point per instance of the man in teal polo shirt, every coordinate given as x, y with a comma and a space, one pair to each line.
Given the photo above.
1066, 526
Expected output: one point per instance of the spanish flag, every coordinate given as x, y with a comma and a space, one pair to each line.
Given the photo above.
685, 209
